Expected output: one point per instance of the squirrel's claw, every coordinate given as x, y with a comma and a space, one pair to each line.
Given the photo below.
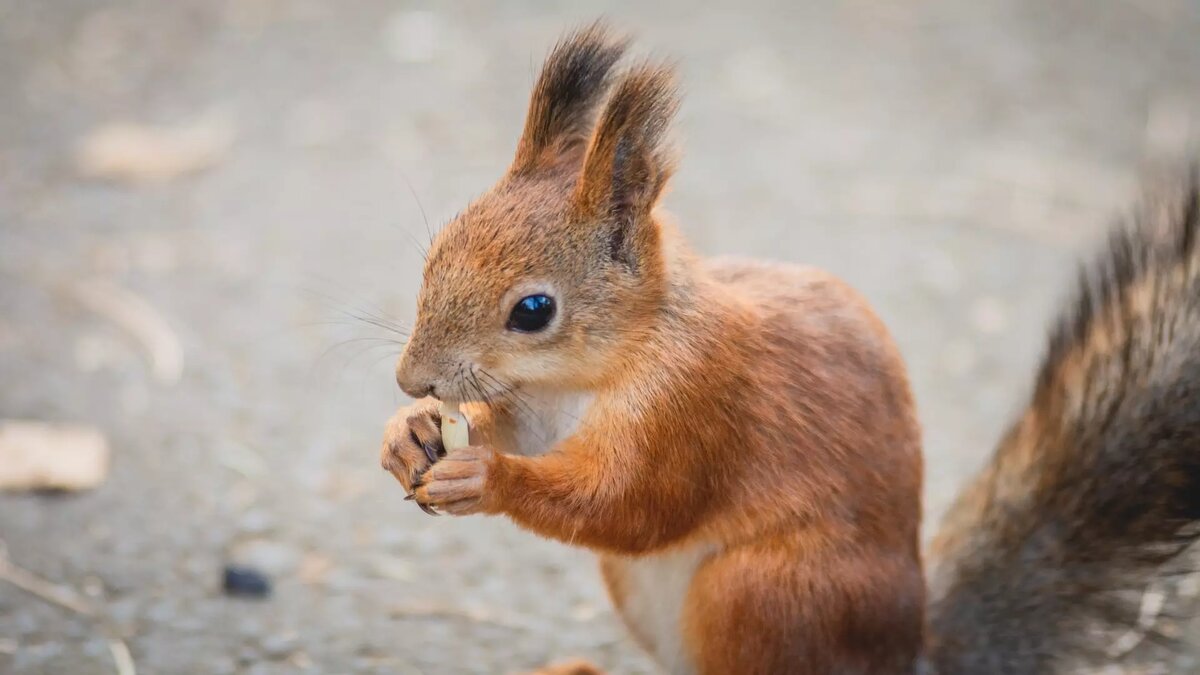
412, 496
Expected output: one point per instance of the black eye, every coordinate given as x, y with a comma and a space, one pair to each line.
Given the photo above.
531, 313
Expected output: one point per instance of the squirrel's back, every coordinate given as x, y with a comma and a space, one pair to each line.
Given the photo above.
822, 361
1096, 486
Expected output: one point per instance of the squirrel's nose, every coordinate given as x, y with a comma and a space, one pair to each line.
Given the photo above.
415, 389
412, 383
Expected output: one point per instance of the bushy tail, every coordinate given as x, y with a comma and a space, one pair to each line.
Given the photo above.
1096, 487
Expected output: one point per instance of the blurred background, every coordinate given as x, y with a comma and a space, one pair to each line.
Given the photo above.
209, 215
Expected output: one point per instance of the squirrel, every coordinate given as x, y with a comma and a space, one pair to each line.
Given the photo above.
738, 441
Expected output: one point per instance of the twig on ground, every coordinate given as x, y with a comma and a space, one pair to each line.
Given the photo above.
121, 657
63, 597
140, 320
50, 592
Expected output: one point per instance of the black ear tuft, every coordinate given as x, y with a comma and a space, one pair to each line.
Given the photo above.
571, 86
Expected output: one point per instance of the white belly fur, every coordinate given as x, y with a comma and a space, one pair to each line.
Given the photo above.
558, 416
655, 588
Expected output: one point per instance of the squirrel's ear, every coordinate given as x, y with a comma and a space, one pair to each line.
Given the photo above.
629, 159
569, 89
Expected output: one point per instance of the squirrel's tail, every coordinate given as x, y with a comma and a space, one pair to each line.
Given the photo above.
1096, 487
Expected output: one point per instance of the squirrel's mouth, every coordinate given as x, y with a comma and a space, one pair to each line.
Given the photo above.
473, 384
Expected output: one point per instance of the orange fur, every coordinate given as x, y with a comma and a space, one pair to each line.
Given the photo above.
736, 439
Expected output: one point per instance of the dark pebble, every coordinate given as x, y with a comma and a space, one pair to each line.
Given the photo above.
246, 582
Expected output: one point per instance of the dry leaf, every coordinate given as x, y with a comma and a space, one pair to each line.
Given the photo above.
39, 456
136, 153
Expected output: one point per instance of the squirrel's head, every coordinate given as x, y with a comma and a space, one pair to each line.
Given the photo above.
552, 275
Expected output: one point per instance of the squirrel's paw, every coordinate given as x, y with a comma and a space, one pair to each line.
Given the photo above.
412, 442
458, 483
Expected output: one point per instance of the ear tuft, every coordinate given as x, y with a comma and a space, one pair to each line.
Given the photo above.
569, 89
629, 159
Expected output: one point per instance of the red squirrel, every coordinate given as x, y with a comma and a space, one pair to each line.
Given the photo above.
736, 439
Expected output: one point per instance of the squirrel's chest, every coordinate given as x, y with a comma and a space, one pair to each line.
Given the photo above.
649, 592
545, 418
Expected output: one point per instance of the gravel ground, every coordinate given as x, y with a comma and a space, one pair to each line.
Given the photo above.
950, 159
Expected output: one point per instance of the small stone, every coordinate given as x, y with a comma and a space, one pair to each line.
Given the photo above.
246, 582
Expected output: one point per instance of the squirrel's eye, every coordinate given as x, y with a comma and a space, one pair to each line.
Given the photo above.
531, 313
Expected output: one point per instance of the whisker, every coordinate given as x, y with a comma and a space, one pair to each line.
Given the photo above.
509, 393
416, 243
367, 350
376, 362
488, 391
371, 314
421, 208
380, 323
370, 319
483, 393
368, 308
458, 383
509, 388
343, 343
506, 394
495, 387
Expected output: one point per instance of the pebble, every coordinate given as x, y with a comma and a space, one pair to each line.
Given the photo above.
246, 582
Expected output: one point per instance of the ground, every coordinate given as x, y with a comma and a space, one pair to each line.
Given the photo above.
952, 160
